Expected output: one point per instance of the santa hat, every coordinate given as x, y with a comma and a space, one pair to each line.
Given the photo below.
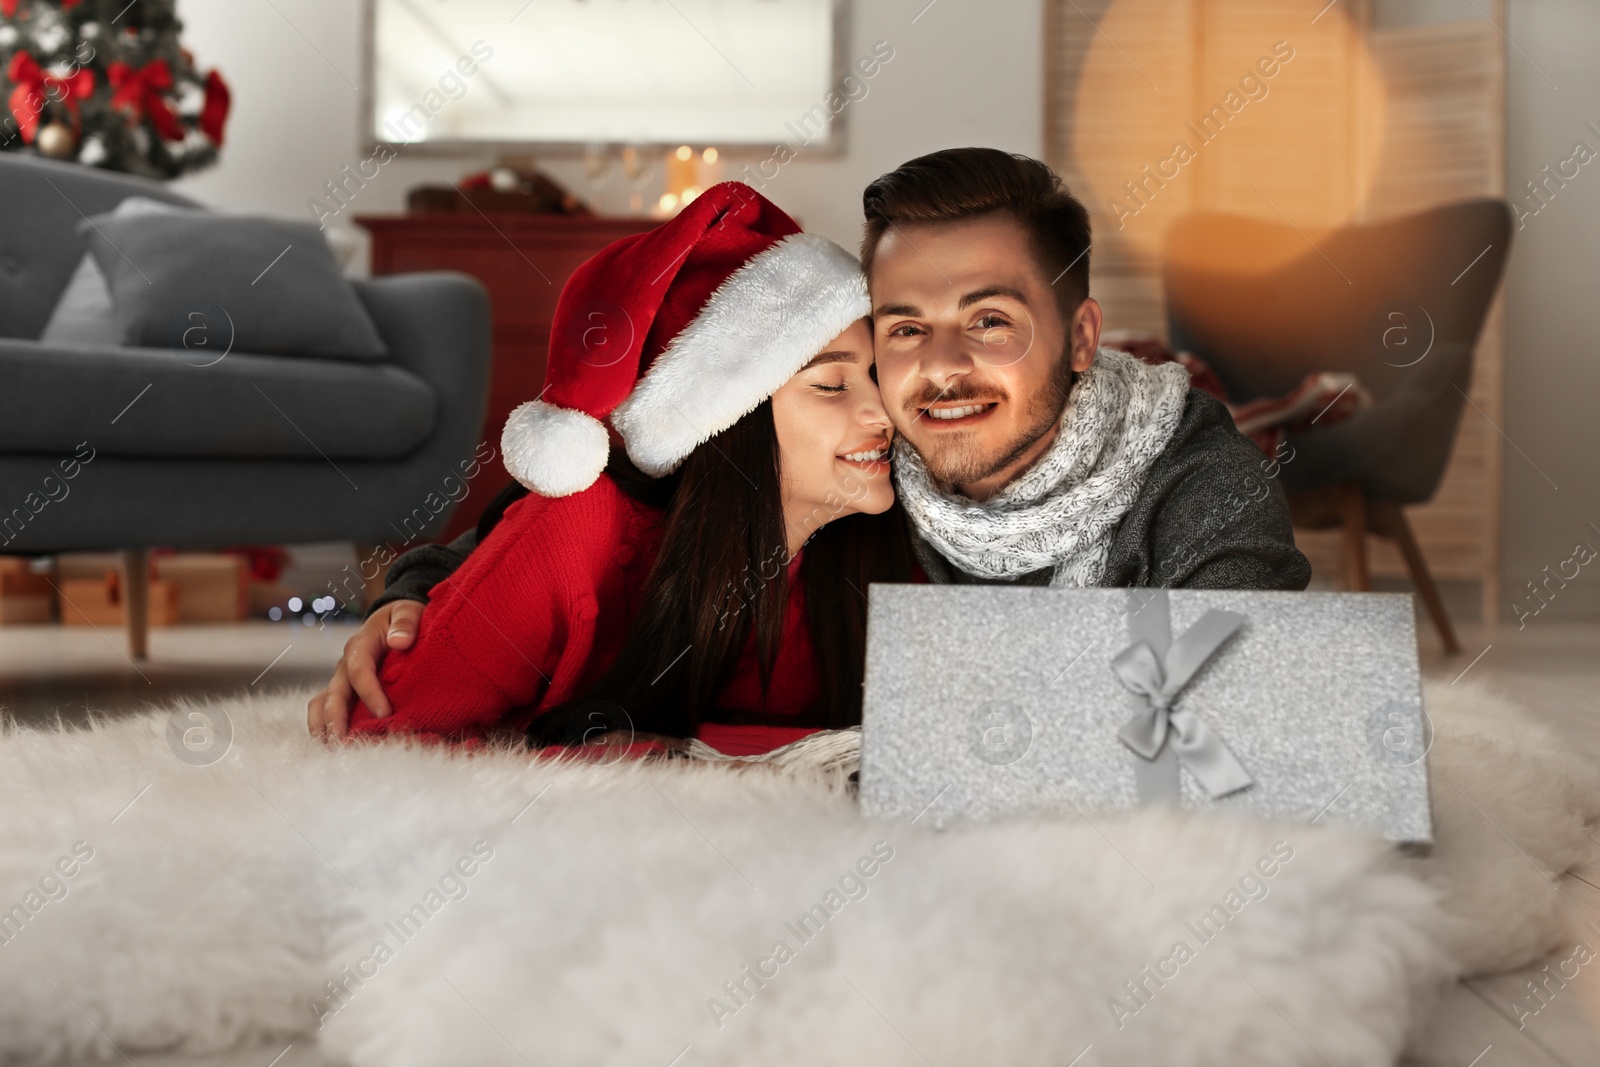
676, 334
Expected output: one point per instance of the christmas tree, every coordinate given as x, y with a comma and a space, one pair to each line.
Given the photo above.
106, 83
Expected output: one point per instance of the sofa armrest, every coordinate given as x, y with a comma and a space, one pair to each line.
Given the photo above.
437, 326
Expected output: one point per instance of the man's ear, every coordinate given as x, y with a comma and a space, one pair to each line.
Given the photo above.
1085, 333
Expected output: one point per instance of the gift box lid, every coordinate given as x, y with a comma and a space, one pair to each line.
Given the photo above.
982, 701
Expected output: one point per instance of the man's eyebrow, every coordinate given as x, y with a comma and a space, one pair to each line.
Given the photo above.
840, 356
978, 295
907, 310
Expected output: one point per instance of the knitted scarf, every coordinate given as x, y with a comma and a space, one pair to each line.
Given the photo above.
1063, 511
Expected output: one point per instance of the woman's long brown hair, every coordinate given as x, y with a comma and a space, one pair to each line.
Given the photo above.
719, 576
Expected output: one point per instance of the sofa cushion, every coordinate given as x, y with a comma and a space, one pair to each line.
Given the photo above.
153, 402
42, 202
84, 315
269, 287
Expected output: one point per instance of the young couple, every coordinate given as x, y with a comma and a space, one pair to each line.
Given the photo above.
711, 489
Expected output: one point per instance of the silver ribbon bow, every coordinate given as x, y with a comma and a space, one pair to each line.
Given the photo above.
1158, 722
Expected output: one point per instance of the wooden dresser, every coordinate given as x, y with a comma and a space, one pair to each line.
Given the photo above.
523, 260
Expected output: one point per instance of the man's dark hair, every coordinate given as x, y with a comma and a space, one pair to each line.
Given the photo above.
964, 183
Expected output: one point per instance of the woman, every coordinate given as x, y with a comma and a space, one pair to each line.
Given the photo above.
709, 577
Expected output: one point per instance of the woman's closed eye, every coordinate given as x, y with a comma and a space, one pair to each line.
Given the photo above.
824, 387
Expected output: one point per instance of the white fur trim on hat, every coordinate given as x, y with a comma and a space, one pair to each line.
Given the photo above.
554, 451
760, 327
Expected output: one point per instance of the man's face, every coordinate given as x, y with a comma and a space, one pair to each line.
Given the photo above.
974, 359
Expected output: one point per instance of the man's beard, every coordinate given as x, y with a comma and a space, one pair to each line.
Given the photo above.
959, 460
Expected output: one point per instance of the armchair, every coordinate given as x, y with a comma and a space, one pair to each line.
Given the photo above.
1400, 303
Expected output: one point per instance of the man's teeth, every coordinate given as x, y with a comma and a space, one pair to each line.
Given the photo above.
867, 457
956, 413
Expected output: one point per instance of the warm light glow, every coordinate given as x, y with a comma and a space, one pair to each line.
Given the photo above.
668, 201
709, 155
685, 153
1184, 107
690, 193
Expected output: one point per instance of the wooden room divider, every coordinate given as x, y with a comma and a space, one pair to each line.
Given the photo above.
1311, 115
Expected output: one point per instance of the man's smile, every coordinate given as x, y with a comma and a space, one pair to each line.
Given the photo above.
952, 414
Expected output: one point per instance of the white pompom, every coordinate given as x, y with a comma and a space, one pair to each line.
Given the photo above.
554, 451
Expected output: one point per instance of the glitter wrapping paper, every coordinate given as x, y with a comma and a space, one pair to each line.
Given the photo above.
987, 700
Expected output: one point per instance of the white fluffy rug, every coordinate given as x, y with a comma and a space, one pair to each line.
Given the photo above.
406, 906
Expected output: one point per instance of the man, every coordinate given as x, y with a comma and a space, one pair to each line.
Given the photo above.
978, 265
1034, 457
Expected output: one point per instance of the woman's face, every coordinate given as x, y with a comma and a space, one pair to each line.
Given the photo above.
833, 438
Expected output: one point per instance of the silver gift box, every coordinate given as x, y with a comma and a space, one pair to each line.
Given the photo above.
987, 700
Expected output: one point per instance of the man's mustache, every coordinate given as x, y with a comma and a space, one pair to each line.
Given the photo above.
970, 392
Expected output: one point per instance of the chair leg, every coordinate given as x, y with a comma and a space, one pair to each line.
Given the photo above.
1354, 506
1423, 579
136, 600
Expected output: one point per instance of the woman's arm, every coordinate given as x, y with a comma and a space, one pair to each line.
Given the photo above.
494, 632
392, 621
413, 574
416, 572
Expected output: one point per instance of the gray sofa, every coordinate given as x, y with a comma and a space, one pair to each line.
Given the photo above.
251, 450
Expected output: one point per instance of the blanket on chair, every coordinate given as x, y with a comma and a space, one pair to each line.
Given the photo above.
408, 905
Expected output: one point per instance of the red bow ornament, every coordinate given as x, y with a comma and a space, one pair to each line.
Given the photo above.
214, 113
140, 93
35, 88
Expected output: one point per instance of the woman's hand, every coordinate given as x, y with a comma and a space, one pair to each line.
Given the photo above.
392, 626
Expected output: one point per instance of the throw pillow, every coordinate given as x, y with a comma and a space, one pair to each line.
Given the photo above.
274, 284
83, 315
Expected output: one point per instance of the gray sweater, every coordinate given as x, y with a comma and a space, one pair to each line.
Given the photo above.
1207, 517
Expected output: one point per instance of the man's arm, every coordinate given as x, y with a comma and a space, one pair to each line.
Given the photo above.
392, 621
1216, 516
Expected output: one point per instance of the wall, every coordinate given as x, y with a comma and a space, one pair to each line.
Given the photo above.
1550, 435
1552, 317
294, 66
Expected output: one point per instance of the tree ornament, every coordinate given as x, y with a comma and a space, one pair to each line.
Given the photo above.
36, 90
57, 141
92, 152
107, 82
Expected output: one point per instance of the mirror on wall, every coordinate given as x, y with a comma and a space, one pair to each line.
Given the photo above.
457, 74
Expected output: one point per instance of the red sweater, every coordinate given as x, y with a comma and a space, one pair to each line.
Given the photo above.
539, 611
